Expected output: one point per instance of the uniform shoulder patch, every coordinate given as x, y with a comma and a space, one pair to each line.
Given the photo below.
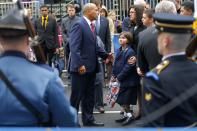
152, 75
161, 66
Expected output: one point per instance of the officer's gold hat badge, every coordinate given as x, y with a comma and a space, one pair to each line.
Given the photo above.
148, 96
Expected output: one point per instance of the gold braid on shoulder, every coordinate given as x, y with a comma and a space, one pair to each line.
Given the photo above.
161, 66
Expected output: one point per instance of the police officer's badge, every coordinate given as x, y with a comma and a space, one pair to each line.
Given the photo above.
148, 96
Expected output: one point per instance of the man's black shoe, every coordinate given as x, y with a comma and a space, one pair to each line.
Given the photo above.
93, 123
104, 104
122, 119
138, 117
128, 121
101, 110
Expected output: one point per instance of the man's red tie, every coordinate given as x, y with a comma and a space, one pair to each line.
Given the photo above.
92, 28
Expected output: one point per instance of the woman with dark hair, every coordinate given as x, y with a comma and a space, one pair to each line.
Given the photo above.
134, 23
191, 50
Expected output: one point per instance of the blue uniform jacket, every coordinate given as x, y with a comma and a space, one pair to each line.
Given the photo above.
125, 73
171, 78
43, 88
84, 48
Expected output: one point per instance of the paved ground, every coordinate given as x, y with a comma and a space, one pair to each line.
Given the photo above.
110, 113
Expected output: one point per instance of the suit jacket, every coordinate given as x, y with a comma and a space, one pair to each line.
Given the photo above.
147, 53
174, 76
104, 33
84, 48
127, 25
66, 25
125, 73
48, 36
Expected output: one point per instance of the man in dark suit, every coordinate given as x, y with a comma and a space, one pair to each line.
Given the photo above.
174, 78
102, 30
83, 63
102, 27
147, 55
46, 28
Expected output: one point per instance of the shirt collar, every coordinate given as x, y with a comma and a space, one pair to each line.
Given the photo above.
46, 17
71, 17
88, 21
173, 54
99, 17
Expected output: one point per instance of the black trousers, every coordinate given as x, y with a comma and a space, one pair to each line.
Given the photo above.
83, 91
49, 53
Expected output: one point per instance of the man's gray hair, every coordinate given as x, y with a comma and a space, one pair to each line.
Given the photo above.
180, 41
87, 7
140, 2
165, 7
173, 1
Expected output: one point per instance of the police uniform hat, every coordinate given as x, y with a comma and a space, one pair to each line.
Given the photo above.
173, 23
12, 24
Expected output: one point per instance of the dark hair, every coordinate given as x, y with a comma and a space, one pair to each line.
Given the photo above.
77, 7
149, 12
192, 48
11, 35
127, 35
139, 12
188, 5
96, 2
44, 6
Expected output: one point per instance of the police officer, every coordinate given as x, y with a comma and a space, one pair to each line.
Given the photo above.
42, 88
175, 75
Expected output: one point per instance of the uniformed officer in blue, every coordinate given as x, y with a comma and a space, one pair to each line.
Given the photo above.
175, 75
41, 87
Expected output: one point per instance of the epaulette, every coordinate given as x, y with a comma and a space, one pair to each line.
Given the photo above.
161, 66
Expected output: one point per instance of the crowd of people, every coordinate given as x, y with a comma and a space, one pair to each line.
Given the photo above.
155, 65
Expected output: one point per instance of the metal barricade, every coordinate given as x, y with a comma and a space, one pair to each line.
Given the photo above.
33, 5
121, 7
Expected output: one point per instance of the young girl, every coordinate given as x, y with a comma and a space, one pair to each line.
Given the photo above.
126, 74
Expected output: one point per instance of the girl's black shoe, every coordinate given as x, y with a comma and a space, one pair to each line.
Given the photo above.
121, 112
122, 119
128, 121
